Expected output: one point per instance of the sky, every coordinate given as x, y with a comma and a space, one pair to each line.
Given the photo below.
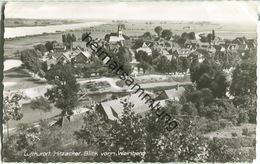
179, 11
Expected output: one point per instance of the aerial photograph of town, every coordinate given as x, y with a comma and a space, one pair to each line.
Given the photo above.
129, 81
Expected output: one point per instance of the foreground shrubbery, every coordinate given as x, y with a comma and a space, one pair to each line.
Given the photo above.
131, 133
235, 150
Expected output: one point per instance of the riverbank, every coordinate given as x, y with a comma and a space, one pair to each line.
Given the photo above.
19, 22
20, 43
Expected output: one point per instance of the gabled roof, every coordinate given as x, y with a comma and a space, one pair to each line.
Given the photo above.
115, 38
242, 47
145, 49
67, 55
144, 45
58, 45
183, 51
169, 57
79, 44
50, 62
86, 54
174, 93
114, 108
191, 42
55, 54
164, 52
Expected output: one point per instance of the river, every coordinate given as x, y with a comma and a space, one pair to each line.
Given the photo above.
11, 32
11, 63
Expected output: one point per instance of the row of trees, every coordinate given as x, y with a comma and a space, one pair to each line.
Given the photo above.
68, 38
164, 33
161, 63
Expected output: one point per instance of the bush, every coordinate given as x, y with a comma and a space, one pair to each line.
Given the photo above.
245, 132
224, 123
243, 118
120, 83
234, 134
252, 115
232, 150
206, 126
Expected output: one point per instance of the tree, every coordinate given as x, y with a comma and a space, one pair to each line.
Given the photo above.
138, 43
123, 56
192, 36
64, 38
210, 38
158, 30
49, 46
143, 65
12, 108
147, 35
30, 59
244, 80
143, 56
73, 38
219, 84
155, 54
189, 109
185, 36
41, 103
213, 34
127, 135
40, 47
167, 34
243, 88
23, 141
209, 75
162, 64
65, 88
184, 64
94, 132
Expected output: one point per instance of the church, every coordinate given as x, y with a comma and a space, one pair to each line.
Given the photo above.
119, 37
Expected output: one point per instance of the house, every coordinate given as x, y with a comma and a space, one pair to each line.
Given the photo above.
172, 94
51, 59
145, 48
82, 57
191, 44
197, 55
219, 48
59, 47
218, 41
232, 46
54, 55
242, 47
164, 52
169, 57
79, 44
50, 63
112, 110
182, 52
239, 41
206, 46
251, 43
64, 58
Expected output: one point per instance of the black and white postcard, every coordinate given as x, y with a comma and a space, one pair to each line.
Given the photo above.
129, 81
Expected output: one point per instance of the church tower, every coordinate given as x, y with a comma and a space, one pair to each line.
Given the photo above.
119, 31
